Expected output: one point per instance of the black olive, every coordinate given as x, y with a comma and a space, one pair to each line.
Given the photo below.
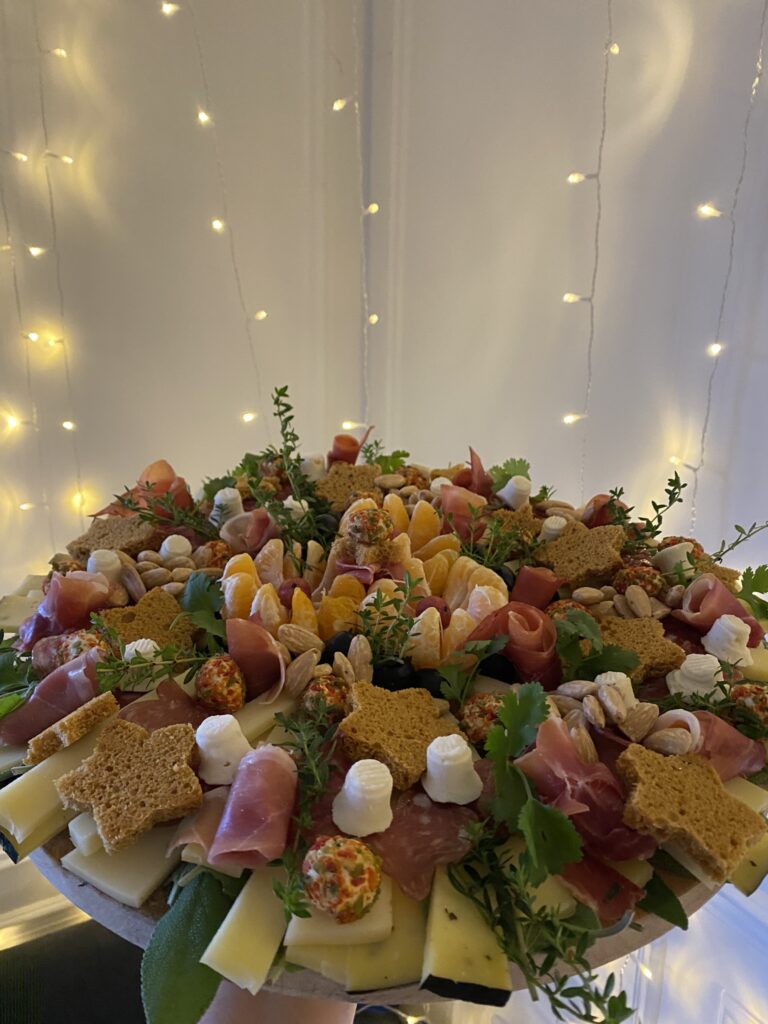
497, 667
338, 642
507, 575
328, 522
393, 674
428, 679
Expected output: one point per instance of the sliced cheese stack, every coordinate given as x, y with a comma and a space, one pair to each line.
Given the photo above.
256, 717
85, 835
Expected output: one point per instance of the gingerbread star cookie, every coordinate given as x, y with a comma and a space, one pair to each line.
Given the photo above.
157, 616
646, 638
134, 780
394, 728
581, 556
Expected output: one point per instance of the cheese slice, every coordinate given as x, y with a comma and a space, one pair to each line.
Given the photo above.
10, 757
758, 670
330, 961
638, 872
320, 928
85, 835
397, 959
255, 718
462, 959
32, 798
277, 735
753, 869
750, 794
194, 853
130, 875
40, 834
243, 948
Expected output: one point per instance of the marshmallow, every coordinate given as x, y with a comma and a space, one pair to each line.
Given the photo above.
676, 555
437, 483
175, 546
450, 777
622, 683
146, 648
516, 492
295, 507
552, 527
727, 640
362, 805
227, 502
699, 673
222, 746
313, 467
106, 562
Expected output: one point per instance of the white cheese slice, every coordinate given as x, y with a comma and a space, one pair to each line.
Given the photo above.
277, 735
255, 718
638, 872
130, 875
194, 853
396, 960
462, 959
750, 794
32, 798
40, 834
330, 961
686, 861
243, 948
85, 835
320, 928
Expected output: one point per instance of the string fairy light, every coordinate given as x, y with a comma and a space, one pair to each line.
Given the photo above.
715, 348
611, 49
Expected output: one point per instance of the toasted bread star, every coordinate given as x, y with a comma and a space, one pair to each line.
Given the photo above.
646, 638
394, 728
581, 556
134, 780
157, 616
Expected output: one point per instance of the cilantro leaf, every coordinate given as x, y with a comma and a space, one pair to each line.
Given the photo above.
579, 661
661, 901
373, 452
458, 677
519, 718
512, 792
753, 583
201, 600
551, 840
216, 483
501, 475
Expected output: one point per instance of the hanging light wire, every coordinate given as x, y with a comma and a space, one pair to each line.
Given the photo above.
365, 312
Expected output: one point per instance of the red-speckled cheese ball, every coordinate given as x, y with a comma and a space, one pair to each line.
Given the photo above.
668, 542
478, 715
220, 685
369, 525
342, 876
332, 690
754, 696
644, 576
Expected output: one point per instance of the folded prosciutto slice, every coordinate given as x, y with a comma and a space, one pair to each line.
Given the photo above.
65, 690
706, 599
68, 603
590, 794
422, 835
249, 531
601, 888
173, 706
156, 479
258, 657
254, 826
531, 644
456, 503
474, 477
200, 828
730, 752
536, 587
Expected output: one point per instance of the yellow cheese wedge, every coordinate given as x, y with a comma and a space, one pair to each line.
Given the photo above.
85, 835
330, 961
753, 869
130, 875
10, 757
277, 735
758, 670
243, 948
396, 960
255, 719
750, 794
637, 871
194, 853
462, 959
40, 834
322, 929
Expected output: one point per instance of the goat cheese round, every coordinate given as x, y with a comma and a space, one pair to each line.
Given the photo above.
727, 640
450, 777
175, 546
106, 562
222, 746
362, 806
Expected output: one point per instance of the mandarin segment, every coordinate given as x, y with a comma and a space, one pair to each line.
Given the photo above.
483, 601
347, 585
424, 644
457, 585
303, 611
459, 628
393, 504
436, 573
424, 526
336, 615
239, 591
241, 564
485, 577
445, 542
269, 562
269, 608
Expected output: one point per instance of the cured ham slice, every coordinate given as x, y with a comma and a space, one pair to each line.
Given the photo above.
173, 706
249, 531
706, 599
589, 793
68, 603
536, 587
456, 503
346, 448
65, 690
474, 476
422, 835
200, 828
531, 644
257, 656
155, 480
601, 888
257, 815
730, 752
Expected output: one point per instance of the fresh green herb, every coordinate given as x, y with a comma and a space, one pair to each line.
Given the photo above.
140, 673
201, 602
544, 494
212, 485
387, 620
661, 901
501, 475
742, 534
494, 540
162, 510
577, 630
551, 840
645, 529
718, 702
754, 582
373, 453
460, 673
175, 987
17, 678
760, 778
312, 743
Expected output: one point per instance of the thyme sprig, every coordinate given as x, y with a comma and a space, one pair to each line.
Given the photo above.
373, 454
742, 534
640, 532
163, 511
460, 672
140, 673
387, 620
719, 702
494, 539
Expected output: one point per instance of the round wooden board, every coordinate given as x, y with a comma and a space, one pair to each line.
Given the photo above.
136, 926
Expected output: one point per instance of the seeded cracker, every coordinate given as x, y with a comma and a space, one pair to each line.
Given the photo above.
582, 556
646, 638
680, 799
71, 728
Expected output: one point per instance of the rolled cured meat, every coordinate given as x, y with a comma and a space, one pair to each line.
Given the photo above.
257, 656
457, 504
199, 829
68, 603
474, 476
531, 644
534, 586
706, 599
254, 826
173, 706
731, 752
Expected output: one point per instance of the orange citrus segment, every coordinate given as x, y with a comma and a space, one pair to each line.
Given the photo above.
240, 563
423, 647
239, 591
424, 525
415, 569
303, 612
436, 573
482, 601
347, 586
335, 615
269, 608
485, 577
269, 562
393, 504
456, 587
445, 542
459, 628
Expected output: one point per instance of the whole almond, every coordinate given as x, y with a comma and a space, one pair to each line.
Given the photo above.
174, 589
659, 610
575, 719
285, 654
669, 741
593, 711
587, 595
298, 640
613, 703
639, 721
606, 607
202, 556
143, 567
156, 577
150, 556
565, 704
179, 562
299, 673
361, 658
638, 601
321, 671
342, 667
608, 592
621, 604
180, 575
577, 688
132, 581
584, 744
554, 710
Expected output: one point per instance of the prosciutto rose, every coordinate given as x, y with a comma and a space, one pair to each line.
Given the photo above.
706, 599
531, 644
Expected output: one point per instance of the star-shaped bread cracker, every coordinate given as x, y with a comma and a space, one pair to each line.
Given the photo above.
134, 780
646, 638
681, 799
394, 728
152, 618
581, 556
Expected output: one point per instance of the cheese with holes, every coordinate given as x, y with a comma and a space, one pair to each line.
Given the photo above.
462, 959
396, 960
130, 875
85, 835
255, 718
243, 948
320, 928
330, 961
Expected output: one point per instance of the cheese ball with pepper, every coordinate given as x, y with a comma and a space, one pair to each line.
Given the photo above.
639, 575
369, 525
331, 690
220, 685
478, 715
341, 876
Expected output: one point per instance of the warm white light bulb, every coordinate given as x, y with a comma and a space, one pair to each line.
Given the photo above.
675, 460
36, 250
203, 117
65, 158
575, 177
614, 48
573, 297
168, 9
78, 499
373, 319
340, 103
708, 210
21, 157
372, 208
68, 425
25, 506
646, 972
53, 342
32, 336
217, 225
572, 417
12, 422
714, 349
248, 417
351, 425
59, 51
260, 314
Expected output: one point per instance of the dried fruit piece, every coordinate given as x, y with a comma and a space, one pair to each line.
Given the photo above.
239, 591
424, 526
335, 615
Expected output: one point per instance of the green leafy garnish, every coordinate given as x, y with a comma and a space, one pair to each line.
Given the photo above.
373, 453
201, 601
458, 676
496, 539
579, 630
660, 900
664, 861
388, 619
214, 484
718, 702
754, 582
17, 678
519, 718
551, 840
501, 475
645, 529
140, 673
162, 510
743, 533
